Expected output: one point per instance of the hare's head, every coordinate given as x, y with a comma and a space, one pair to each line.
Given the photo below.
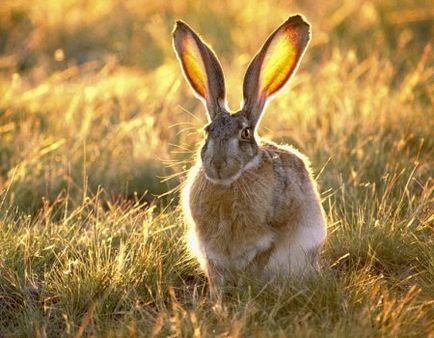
230, 146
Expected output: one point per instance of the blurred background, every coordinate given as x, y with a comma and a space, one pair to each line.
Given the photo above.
92, 98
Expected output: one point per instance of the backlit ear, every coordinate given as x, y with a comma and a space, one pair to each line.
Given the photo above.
274, 64
201, 68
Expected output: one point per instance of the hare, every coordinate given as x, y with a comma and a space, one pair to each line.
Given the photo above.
252, 206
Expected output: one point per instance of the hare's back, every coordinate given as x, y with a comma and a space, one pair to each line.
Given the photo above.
295, 193
288, 162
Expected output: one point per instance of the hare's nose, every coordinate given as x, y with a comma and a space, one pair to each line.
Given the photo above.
219, 164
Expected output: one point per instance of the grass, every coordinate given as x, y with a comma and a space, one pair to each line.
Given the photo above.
96, 120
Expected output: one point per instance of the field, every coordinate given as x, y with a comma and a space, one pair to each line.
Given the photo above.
97, 130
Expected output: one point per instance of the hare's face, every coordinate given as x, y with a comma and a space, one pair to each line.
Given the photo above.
229, 146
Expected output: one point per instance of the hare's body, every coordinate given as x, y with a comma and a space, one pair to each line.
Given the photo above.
252, 207
267, 223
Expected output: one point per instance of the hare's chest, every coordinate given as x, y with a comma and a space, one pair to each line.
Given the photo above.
247, 202
232, 223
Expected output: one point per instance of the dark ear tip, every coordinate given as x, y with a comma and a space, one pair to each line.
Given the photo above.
180, 23
299, 23
180, 26
298, 20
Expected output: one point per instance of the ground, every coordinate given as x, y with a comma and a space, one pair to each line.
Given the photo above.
96, 123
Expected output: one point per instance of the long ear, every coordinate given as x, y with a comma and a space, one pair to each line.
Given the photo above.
274, 64
201, 68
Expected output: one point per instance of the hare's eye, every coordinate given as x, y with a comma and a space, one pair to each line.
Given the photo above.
245, 134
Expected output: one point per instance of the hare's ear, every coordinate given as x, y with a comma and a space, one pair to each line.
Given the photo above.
274, 64
201, 68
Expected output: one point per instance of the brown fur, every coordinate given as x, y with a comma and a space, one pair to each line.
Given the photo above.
223, 214
262, 201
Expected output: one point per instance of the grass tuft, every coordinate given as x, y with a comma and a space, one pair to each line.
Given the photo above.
96, 122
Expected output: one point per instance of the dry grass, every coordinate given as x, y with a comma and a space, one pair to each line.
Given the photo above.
94, 113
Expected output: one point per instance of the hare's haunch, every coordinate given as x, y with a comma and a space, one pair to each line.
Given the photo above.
252, 206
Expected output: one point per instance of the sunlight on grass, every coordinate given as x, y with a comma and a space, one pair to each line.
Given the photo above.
96, 123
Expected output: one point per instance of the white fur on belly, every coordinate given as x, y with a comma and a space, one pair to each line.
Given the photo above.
291, 255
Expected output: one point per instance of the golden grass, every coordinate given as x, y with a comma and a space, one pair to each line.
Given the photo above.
94, 115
